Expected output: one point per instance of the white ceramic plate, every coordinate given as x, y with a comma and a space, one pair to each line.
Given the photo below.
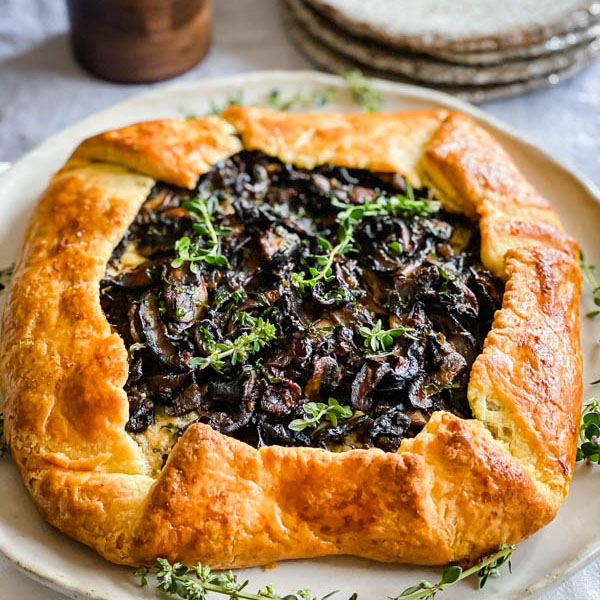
547, 558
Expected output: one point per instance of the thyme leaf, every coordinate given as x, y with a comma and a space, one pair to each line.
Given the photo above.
259, 334
362, 90
487, 567
379, 339
315, 412
396, 247
588, 274
446, 278
318, 97
406, 205
325, 272
589, 433
207, 247
195, 583
236, 100
348, 217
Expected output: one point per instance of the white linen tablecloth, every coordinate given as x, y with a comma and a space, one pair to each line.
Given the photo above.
42, 90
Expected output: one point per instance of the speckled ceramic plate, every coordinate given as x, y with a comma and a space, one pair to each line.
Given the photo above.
460, 25
545, 559
556, 43
336, 62
432, 70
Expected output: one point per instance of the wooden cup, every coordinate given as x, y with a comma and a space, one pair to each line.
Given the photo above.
137, 41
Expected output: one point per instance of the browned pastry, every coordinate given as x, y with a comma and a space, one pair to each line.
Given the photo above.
455, 490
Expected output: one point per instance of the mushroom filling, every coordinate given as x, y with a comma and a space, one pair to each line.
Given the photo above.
332, 307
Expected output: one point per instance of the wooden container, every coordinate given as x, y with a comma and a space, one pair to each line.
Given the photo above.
136, 41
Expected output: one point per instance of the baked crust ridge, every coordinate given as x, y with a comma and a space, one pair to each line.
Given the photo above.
456, 491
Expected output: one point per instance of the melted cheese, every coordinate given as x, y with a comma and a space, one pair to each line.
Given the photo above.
158, 439
130, 258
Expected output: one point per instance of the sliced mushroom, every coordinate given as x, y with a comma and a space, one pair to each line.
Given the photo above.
154, 331
168, 315
187, 400
185, 294
277, 243
325, 378
141, 413
165, 386
365, 382
389, 429
142, 276
281, 399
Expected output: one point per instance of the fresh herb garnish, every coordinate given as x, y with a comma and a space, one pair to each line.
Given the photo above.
404, 205
446, 278
588, 274
299, 100
348, 217
3, 442
236, 100
207, 247
196, 583
379, 339
396, 247
260, 334
589, 433
485, 568
325, 261
315, 412
362, 90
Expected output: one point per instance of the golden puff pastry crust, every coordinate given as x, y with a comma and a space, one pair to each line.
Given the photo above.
457, 490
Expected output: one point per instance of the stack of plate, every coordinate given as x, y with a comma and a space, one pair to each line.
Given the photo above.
476, 49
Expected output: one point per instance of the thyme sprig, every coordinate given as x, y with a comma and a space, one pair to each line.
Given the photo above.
196, 583
485, 568
362, 90
406, 205
275, 100
348, 217
207, 248
325, 261
236, 99
589, 433
3, 442
446, 279
260, 333
590, 278
381, 340
318, 97
315, 412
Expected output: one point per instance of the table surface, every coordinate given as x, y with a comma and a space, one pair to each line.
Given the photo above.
42, 90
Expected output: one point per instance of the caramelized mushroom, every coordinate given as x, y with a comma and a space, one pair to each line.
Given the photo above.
387, 325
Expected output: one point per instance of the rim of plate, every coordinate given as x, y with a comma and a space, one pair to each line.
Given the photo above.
205, 87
